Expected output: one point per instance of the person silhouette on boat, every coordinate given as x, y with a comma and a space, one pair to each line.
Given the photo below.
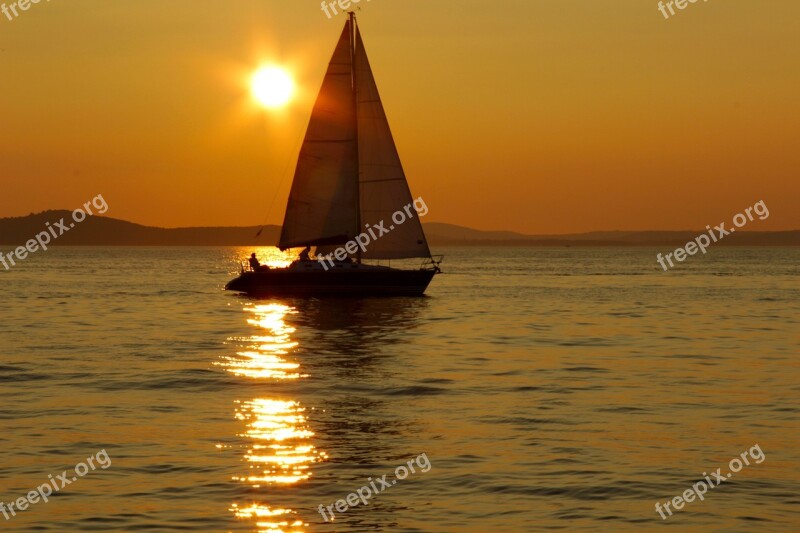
254, 264
305, 254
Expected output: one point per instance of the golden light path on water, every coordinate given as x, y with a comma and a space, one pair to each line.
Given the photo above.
279, 441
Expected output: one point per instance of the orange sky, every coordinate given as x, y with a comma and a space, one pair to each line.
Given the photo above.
529, 115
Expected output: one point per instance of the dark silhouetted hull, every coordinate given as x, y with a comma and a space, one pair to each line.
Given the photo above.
343, 282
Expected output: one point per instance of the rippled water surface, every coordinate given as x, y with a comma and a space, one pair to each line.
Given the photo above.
550, 389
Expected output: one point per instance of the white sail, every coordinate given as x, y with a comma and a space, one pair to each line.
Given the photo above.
383, 186
323, 203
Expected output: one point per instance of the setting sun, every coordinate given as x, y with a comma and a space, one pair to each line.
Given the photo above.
272, 87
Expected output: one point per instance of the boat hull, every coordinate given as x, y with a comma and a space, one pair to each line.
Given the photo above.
339, 282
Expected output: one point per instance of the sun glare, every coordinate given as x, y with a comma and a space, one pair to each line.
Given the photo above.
272, 87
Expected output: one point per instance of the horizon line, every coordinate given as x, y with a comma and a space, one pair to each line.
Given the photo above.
431, 222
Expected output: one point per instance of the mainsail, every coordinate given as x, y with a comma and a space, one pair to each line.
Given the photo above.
349, 176
323, 203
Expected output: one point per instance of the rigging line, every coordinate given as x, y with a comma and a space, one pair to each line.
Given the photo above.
283, 176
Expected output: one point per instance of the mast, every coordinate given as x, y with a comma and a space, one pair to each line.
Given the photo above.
352, 15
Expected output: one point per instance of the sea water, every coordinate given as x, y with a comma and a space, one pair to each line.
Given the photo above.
549, 388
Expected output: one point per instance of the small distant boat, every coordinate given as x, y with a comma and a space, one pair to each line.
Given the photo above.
348, 179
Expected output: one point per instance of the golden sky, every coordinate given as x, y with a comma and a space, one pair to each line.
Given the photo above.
539, 116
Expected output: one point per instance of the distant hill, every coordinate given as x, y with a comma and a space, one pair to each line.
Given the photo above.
104, 231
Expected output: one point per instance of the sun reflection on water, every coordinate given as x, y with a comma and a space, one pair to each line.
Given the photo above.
278, 439
267, 255
269, 520
263, 356
280, 452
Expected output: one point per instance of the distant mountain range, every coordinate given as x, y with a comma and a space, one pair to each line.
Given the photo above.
104, 231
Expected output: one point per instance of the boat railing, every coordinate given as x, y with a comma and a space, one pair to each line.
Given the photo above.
432, 263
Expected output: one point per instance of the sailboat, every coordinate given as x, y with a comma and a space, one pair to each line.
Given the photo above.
348, 181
